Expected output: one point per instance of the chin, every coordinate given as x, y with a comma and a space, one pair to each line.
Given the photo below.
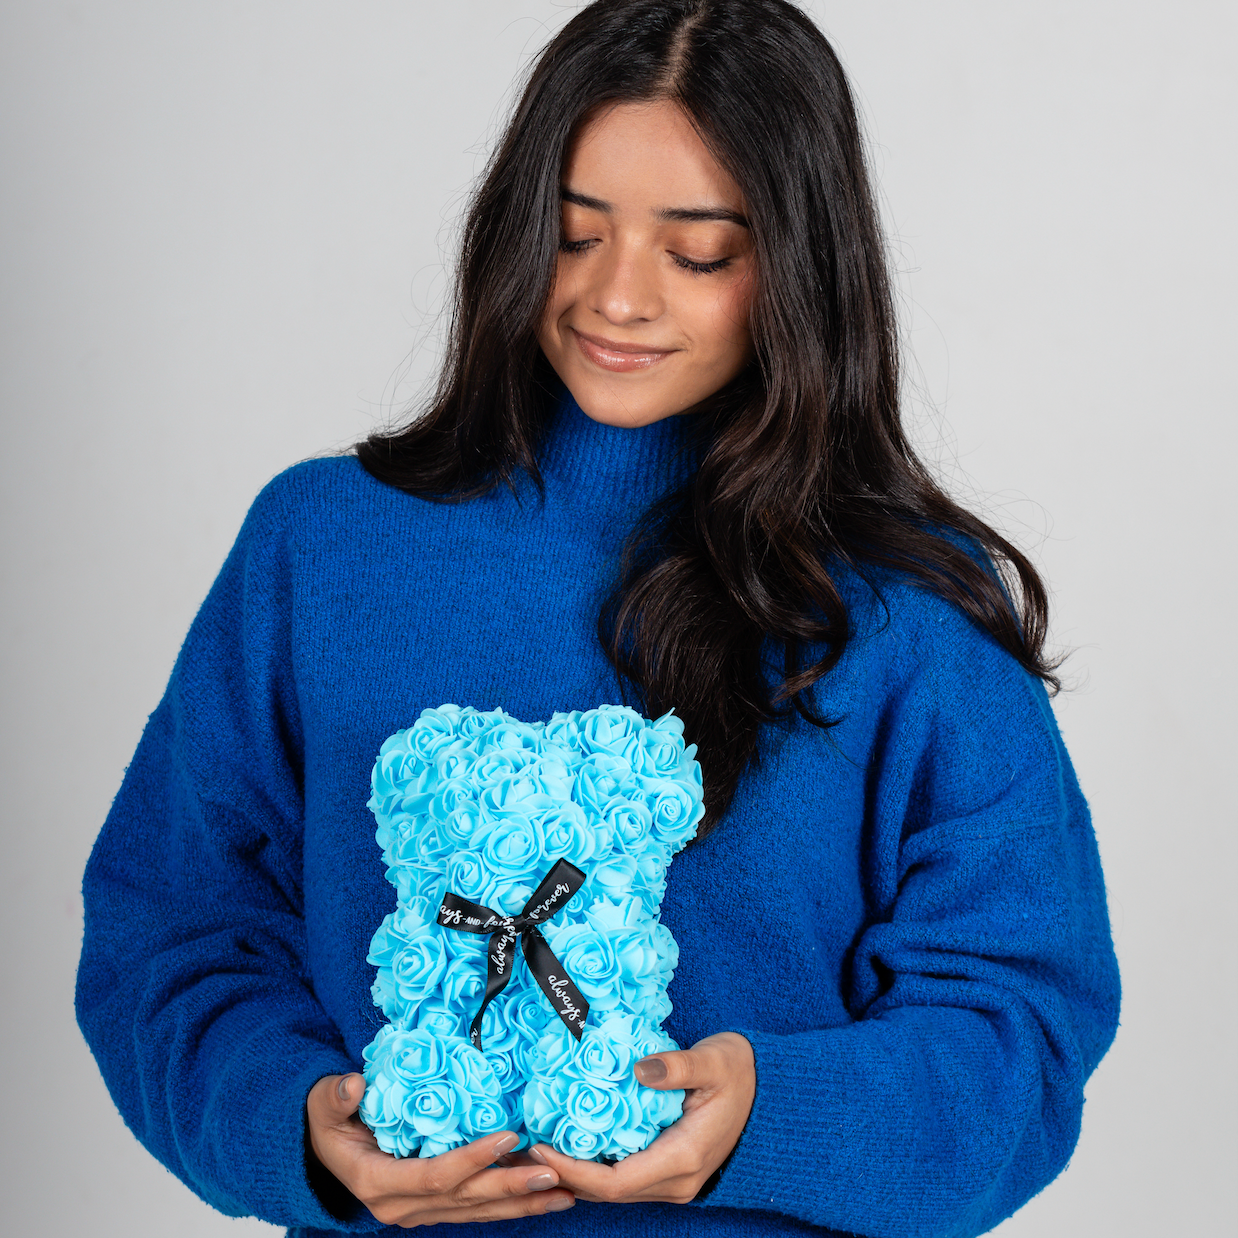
627, 410
625, 418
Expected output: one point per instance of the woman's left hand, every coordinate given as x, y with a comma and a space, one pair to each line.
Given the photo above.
719, 1076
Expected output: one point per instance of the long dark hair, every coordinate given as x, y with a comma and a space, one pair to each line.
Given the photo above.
807, 463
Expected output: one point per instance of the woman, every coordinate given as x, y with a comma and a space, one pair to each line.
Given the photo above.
664, 463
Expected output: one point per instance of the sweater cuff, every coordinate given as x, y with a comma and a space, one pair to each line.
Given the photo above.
285, 1182
808, 1111
875, 1128
749, 1178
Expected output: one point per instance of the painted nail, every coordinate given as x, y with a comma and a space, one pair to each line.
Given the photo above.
560, 1203
534, 1155
651, 1070
506, 1144
342, 1087
541, 1182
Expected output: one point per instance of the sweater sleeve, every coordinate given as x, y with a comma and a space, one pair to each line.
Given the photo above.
193, 988
983, 987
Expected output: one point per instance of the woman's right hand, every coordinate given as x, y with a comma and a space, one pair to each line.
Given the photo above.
460, 1185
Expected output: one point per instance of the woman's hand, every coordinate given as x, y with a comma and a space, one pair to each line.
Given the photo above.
457, 1186
719, 1075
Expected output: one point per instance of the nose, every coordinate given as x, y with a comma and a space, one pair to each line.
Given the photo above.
625, 286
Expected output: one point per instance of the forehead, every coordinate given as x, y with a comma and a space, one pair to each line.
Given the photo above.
645, 157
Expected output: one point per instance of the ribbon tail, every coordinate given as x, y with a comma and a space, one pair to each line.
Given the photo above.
568, 1001
500, 956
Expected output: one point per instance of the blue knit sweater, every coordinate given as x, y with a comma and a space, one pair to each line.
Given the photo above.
905, 916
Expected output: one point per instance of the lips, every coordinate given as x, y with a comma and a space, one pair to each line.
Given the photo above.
616, 356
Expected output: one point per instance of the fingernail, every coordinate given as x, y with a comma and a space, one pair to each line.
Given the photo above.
541, 1182
560, 1203
651, 1070
534, 1155
342, 1087
506, 1144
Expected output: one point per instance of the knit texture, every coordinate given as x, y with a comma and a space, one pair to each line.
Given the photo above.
905, 915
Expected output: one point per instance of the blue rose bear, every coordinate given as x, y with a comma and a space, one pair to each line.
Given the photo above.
524, 970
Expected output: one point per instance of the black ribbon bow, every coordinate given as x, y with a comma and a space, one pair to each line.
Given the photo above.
556, 888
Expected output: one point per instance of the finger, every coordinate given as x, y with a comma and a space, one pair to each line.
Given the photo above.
585, 1179
710, 1063
517, 1160
499, 1210
491, 1194
504, 1183
629, 1180
347, 1095
338, 1139
681, 1068
398, 1188
335, 1098
445, 1174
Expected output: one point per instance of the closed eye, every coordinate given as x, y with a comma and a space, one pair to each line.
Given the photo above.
685, 264
701, 268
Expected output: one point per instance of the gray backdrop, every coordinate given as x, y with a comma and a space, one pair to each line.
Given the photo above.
224, 233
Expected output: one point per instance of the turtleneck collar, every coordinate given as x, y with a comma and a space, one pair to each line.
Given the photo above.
613, 466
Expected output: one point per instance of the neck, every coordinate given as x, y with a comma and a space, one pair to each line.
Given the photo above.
617, 467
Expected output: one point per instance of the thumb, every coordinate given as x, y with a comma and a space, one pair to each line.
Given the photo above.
341, 1095
679, 1068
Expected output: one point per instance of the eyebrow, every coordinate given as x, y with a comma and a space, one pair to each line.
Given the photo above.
672, 214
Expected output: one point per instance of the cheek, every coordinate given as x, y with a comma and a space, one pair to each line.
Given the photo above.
724, 320
562, 293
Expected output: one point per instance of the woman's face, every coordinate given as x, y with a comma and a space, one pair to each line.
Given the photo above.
649, 310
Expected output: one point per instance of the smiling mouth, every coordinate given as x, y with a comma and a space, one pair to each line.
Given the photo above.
612, 355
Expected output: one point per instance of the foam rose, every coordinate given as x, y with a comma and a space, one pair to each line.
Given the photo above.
584, 1094
418, 966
